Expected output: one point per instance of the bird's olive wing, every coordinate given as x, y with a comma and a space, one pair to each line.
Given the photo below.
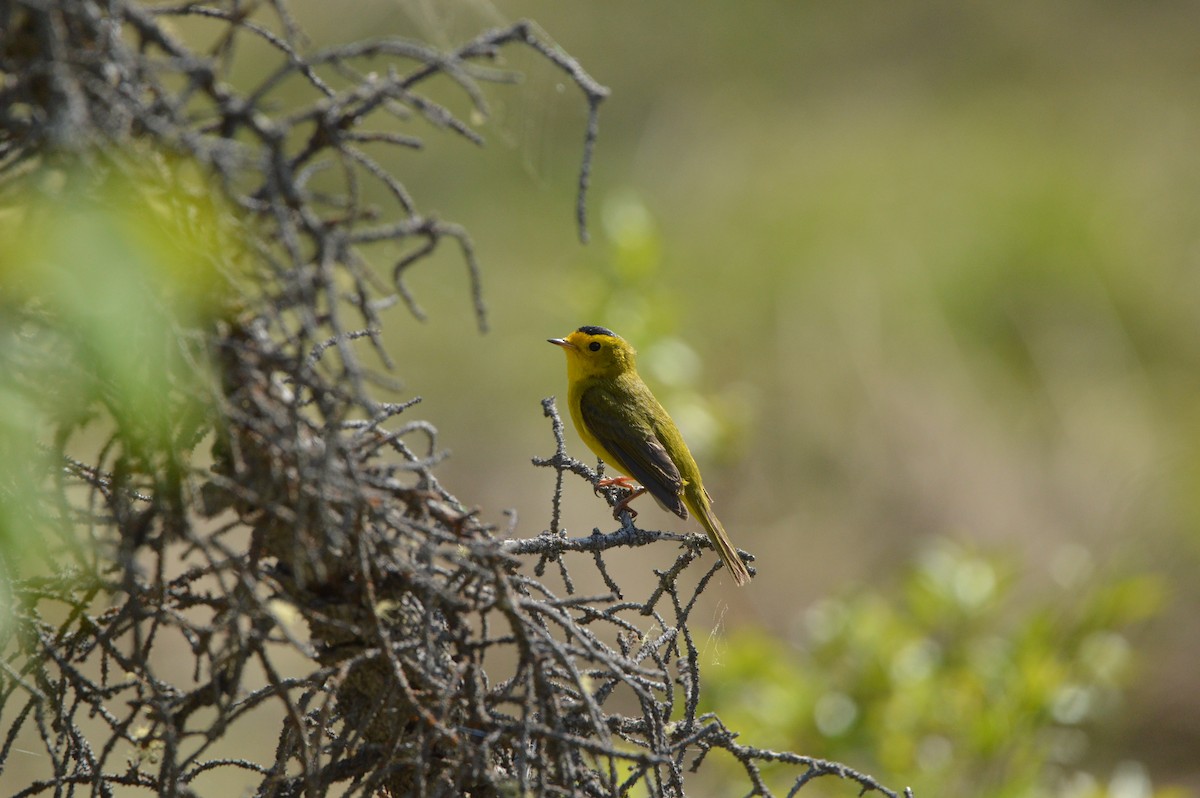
632, 443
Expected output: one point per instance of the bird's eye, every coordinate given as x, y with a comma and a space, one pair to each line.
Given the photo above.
594, 346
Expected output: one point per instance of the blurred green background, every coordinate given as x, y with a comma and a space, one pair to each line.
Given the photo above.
920, 281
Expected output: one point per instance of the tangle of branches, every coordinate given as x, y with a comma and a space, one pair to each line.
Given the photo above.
271, 591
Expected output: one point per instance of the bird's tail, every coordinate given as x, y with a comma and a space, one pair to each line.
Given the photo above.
716, 533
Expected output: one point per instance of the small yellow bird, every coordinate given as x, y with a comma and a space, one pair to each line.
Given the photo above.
620, 420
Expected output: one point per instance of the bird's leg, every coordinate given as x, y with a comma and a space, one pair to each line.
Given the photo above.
622, 482
623, 505
628, 484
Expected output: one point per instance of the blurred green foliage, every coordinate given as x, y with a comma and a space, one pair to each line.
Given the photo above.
958, 680
109, 275
625, 291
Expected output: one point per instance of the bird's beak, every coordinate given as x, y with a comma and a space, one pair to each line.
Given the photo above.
563, 342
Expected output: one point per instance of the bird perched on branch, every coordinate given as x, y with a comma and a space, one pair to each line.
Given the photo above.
620, 420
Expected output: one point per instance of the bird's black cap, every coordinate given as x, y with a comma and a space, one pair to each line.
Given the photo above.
590, 330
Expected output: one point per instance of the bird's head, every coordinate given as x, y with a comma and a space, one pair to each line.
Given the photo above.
596, 351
